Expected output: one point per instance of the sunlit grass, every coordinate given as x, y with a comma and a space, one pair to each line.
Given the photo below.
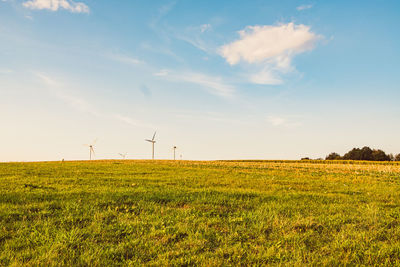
208, 213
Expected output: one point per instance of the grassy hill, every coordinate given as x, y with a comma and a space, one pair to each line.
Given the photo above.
207, 213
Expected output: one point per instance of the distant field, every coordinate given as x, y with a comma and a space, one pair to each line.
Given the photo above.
204, 213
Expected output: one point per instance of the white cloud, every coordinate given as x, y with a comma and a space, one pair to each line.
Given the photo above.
271, 48
269, 43
304, 7
213, 84
54, 5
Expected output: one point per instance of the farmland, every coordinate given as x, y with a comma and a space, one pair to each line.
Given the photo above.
199, 213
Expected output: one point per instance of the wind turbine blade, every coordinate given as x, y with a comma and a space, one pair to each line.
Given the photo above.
151, 141
94, 142
94, 154
154, 135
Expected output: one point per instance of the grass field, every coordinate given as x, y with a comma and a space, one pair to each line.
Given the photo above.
203, 213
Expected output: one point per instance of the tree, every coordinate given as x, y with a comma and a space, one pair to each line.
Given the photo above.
354, 154
379, 155
333, 156
366, 153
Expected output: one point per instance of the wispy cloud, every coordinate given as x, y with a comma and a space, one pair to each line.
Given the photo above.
162, 50
194, 35
5, 71
271, 48
132, 122
56, 87
213, 84
46, 79
205, 27
209, 116
189, 34
195, 41
145, 91
55, 5
165, 9
80, 104
265, 76
160, 14
284, 121
304, 7
125, 59
163, 72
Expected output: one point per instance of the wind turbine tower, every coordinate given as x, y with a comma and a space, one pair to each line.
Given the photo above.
152, 141
91, 149
123, 155
174, 148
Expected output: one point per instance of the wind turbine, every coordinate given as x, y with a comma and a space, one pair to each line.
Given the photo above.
123, 155
91, 148
174, 148
152, 141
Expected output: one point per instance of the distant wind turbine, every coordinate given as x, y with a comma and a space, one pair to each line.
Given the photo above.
91, 149
123, 155
174, 148
152, 141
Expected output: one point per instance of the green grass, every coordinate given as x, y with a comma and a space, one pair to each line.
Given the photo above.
199, 213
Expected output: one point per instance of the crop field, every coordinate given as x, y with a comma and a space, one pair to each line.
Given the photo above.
104, 213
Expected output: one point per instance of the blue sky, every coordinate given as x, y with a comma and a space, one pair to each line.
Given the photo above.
218, 79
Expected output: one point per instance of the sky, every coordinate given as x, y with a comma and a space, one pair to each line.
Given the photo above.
218, 79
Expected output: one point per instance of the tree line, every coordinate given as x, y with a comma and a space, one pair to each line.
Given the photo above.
364, 153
